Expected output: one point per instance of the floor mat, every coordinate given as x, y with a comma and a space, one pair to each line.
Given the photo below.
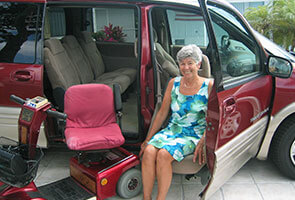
65, 189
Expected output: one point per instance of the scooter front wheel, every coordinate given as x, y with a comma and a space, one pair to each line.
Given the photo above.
129, 184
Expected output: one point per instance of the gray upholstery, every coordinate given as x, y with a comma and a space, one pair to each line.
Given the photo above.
67, 65
58, 65
95, 59
86, 72
78, 58
170, 68
205, 70
186, 166
164, 59
92, 53
110, 79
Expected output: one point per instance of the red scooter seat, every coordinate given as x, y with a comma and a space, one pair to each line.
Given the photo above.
91, 122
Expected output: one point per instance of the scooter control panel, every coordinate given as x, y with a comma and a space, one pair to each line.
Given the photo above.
37, 102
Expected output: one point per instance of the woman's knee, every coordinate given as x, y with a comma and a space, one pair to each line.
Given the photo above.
149, 153
164, 156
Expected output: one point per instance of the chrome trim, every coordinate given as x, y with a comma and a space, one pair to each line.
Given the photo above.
292, 152
113, 165
233, 155
275, 121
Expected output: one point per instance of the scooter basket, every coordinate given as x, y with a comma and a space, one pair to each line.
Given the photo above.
15, 167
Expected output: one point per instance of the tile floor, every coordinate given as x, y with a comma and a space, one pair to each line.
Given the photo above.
257, 180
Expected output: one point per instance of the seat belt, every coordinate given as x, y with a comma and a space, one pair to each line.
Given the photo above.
159, 95
159, 70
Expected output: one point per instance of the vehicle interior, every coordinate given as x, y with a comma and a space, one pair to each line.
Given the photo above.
88, 44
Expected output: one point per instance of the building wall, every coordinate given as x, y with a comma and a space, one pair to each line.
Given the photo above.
242, 5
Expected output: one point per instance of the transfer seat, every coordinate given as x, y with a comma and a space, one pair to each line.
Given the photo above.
91, 123
186, 166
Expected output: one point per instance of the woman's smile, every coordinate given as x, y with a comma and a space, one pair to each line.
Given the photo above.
188, 66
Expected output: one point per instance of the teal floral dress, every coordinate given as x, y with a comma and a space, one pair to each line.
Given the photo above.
186, 124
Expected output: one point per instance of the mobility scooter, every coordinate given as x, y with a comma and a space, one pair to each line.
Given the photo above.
101, 167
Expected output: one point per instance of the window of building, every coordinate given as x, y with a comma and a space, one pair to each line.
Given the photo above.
187, 28
114, 24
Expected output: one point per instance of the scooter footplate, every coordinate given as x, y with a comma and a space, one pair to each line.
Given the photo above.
65, 189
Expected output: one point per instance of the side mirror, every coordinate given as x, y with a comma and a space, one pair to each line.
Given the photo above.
117, 97
279, 67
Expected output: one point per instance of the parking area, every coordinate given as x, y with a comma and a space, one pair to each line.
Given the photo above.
257, 180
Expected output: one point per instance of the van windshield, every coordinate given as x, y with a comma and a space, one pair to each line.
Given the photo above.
273, 48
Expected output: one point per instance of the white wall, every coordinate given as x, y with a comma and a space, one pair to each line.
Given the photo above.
118, 17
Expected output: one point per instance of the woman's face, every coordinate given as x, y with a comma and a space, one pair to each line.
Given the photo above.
188, 67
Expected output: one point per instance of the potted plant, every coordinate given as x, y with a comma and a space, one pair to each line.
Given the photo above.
111, 34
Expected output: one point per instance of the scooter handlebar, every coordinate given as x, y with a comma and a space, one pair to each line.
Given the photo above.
17, 99
49, 112
56, 114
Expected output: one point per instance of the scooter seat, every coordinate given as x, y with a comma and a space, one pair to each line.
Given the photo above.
78, 140
91, 122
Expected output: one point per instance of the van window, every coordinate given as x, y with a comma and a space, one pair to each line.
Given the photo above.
57, 22
20, 29
187, 28
114, 24
239, 54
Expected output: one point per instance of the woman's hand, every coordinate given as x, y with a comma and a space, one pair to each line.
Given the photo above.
199, 151
142, 147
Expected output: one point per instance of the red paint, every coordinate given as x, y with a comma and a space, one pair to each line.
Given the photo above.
23, 80
112, 174
13, 193
249, 100
284, 94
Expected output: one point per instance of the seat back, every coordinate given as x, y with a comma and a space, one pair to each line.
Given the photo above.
91, 122
164, 59
89, 47
85, 108
78, 58
58, 65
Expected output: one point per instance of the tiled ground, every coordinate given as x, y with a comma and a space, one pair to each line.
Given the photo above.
257, 180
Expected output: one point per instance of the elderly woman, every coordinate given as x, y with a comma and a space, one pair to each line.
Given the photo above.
187, 96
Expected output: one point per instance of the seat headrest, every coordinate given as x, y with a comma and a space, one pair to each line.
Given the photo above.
71, 41
86, 36
205, 70
54, 45
171, 68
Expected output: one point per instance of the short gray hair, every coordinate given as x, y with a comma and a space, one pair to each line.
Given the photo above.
191, 51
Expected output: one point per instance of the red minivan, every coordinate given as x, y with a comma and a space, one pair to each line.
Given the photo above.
46, 46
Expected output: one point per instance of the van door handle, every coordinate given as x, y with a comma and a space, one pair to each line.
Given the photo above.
22, 75
229, 105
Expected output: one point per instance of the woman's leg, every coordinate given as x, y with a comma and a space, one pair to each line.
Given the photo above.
164, 172
148, 170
